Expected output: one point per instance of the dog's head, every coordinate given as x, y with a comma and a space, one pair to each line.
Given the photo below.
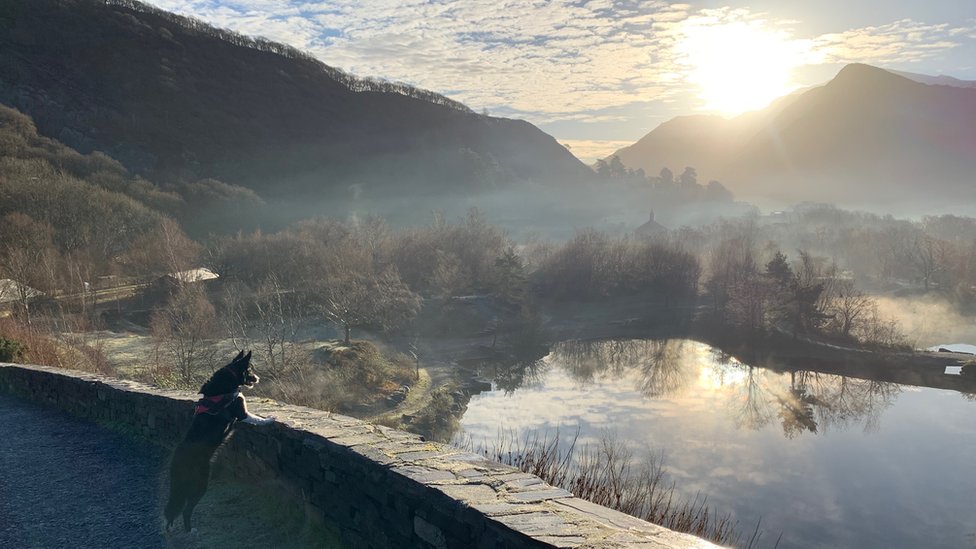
230, 377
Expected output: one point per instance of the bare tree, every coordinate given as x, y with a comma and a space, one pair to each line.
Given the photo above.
166, 249
183, 330
732, 264
813, 287
748, 303
928, 258
359, 300
235, 318
849, 306
279, 319
28, 257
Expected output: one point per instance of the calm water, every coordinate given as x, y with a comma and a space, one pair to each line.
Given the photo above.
829, 461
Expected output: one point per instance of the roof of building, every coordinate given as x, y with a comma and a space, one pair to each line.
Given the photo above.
10, 290
199, 274
651, 227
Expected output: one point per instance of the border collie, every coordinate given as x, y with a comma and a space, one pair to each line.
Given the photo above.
214, 416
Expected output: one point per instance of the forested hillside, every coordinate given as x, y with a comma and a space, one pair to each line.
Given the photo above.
67, 219
177, 101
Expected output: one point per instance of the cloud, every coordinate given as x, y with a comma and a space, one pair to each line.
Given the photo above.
903, 41
547, 61
589, 150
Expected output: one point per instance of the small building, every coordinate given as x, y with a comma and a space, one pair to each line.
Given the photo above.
167, 285
11, 291
199, 274
651, 228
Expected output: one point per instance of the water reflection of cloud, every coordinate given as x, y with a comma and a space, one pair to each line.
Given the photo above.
874, 443
604, 383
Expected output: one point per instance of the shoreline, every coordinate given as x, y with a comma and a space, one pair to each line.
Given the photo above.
639, 318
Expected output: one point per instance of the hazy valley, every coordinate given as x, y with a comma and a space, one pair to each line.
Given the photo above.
751, 320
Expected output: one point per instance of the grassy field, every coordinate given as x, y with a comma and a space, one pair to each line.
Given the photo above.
130, 353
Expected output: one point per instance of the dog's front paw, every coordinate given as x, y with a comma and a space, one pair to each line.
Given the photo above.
257, 420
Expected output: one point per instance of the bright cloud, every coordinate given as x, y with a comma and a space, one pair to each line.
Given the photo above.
902, 41
557, 60
589, 150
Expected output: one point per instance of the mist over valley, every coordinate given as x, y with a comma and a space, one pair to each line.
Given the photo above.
746, 325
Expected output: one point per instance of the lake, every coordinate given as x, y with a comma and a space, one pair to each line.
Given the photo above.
829, 461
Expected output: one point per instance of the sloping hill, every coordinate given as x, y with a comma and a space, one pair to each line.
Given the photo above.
176, 100
866, 137
67, 217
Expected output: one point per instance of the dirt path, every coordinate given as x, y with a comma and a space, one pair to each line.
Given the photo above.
418, 397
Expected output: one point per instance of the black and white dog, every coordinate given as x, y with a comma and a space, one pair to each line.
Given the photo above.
214, 416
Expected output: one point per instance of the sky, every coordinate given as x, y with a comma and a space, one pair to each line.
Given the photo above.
600, 74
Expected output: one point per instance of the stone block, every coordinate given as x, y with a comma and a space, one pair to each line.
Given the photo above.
429, 533
424, 475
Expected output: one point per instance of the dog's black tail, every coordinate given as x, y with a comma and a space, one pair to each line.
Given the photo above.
177, 499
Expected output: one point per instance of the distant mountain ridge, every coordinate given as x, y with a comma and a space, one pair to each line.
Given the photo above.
940, 80
177, 100
866, 137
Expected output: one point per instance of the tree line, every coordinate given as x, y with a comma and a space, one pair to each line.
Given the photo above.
352, 82
666, 186
69, 220
763, 290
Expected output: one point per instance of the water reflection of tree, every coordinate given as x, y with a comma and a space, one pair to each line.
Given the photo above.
514, 372
660, 364
519, 360
850, 401
812, 402
755, 408
804, 402
796, 409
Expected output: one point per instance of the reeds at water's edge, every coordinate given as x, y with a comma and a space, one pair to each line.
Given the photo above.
608, 473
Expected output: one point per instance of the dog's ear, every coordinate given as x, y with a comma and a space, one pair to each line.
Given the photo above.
235, 360
242, 364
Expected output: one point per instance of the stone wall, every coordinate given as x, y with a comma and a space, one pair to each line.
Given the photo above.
378, 486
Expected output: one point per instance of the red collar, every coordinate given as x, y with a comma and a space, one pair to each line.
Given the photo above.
213, 404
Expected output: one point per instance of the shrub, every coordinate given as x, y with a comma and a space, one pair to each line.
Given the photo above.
352, 376
11, 350
365, 364
438, 419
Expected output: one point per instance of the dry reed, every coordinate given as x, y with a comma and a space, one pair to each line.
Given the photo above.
608, 473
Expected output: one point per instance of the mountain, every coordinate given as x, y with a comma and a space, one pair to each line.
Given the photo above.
867, 137
176, 100
940, 80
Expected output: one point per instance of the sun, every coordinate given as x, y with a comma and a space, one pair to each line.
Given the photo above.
738, 66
